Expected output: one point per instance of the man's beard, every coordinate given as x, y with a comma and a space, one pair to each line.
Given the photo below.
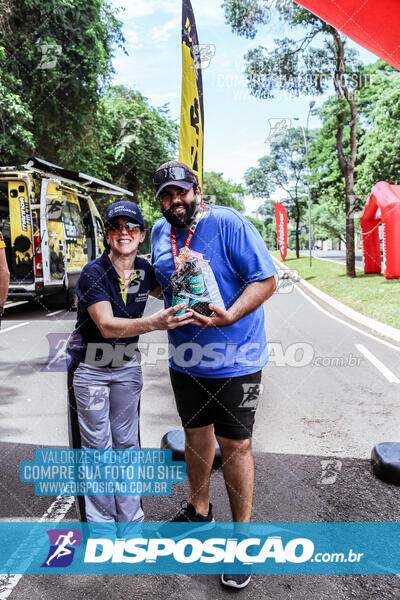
184, 219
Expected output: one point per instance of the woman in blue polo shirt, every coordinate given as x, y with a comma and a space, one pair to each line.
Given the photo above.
106, 375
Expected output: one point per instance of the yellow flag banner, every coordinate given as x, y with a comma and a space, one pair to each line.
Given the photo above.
192, 110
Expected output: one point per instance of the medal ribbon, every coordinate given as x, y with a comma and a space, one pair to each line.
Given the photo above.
189, 237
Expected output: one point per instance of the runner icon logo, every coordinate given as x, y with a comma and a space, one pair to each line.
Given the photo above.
59, 357
62, 542
251, 394
202, 55
97, 397
278, 129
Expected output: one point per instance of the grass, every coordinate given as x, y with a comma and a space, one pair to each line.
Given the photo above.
372, 295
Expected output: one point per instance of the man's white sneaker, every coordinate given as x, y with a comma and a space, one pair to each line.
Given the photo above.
239, 580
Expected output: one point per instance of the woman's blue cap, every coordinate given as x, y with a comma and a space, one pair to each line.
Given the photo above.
124, 208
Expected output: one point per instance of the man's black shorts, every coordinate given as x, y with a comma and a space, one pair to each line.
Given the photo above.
229, 403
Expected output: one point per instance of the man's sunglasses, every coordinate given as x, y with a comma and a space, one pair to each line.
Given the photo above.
173, 174
132, 228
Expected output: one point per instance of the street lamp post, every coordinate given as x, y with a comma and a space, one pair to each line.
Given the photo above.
305, 134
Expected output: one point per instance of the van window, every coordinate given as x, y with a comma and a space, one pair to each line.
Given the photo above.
72, 221
70, 230
76, 220
54, 209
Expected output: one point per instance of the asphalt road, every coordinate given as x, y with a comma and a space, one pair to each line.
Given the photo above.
338, 256
323, 400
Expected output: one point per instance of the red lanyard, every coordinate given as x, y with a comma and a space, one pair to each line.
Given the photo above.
189, 237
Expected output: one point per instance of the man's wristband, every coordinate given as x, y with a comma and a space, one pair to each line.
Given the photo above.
1, 311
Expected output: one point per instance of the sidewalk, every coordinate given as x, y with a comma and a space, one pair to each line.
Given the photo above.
372, 326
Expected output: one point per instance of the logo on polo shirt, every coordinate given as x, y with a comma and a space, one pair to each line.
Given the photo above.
136, 278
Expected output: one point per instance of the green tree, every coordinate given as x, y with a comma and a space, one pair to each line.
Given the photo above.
60, 53
15, 118
134, 139
223, 192
130, 141
267, 209
143, 137
55, 99
326, 177
327, 184
377, 155
328, 223
379, 149
294, 65
261, 228
284, 169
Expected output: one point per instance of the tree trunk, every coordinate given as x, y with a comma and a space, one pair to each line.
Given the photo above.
298, 219
298, 235
350, 249
297, 241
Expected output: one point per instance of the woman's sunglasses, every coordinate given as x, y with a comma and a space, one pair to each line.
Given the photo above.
132, 228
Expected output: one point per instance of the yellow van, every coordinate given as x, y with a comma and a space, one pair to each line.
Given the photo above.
51, 227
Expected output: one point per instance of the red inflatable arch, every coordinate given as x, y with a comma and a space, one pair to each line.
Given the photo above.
383, 206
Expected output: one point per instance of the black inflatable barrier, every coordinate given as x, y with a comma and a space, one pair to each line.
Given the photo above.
175, 441
385, 460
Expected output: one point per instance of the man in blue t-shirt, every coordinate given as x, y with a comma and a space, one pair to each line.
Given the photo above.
216, 362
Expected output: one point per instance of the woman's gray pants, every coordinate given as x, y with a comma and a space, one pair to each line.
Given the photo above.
107, 401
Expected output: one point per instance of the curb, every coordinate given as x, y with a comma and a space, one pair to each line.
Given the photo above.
376, 327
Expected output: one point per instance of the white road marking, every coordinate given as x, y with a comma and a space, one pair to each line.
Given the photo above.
14, 327
11, 304
58, 509
55, 313
372, 337
391, 377
55, 513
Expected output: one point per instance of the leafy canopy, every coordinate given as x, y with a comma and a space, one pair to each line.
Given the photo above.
223, 192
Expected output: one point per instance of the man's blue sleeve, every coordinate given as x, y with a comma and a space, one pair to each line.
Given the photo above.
249, 254
91, 288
